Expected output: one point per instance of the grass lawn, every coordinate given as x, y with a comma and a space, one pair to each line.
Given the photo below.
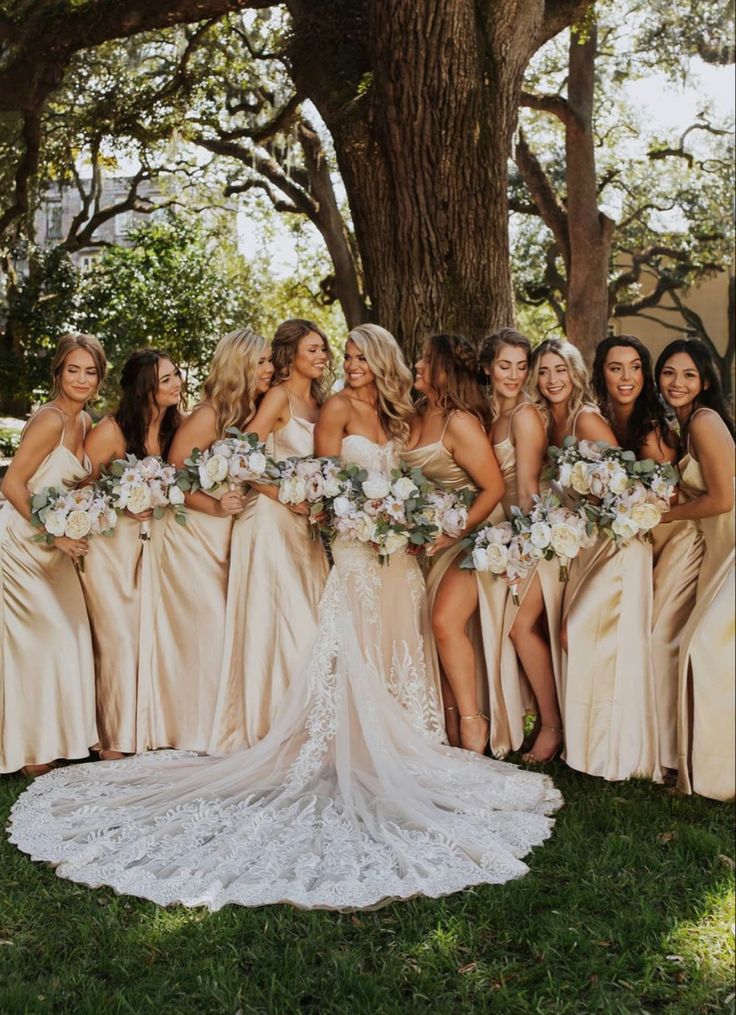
628, 908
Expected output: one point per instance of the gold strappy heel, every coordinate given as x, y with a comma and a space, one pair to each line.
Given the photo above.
530, 757
478, 715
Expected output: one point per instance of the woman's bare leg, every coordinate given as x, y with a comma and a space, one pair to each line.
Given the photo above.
455, 603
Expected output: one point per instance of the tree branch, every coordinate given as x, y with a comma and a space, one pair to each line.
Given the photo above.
555, 104
543, 194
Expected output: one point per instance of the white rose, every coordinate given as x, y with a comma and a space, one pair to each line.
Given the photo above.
342, 506
365, 528
404, 488
78, 525
377, 486
564, 476
618, 481
333, 486
480, 559
565, 540
257, 463
540, 535
139, 498
176, 496
454, 521
498, 558
213, 471
501, 533
55, 522
589, 450
394, 541
624, 527
646, 516
579, 478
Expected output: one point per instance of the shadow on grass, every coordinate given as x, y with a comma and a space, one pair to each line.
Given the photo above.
628, 908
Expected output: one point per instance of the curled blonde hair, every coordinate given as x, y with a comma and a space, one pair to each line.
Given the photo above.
284, 349
582, 393
392, 376
230, 387
70, 343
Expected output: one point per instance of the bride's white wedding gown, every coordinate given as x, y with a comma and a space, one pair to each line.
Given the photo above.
351, 800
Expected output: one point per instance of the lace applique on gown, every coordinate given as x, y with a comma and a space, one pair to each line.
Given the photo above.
350, 801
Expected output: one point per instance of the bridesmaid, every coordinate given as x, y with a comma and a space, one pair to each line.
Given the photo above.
278, 566
118, 583
607, 689
689, 381
189, 625
519, 440
623, 380
448, 442
47, 681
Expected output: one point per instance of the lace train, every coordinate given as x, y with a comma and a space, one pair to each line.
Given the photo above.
349, 802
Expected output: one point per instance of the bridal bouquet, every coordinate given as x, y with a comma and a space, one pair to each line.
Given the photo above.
238, 458
498, 550
626, 497
143, 484
552, 531
76, 514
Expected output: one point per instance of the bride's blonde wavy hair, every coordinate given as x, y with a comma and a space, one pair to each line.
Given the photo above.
582, 393
392, 376
231, 384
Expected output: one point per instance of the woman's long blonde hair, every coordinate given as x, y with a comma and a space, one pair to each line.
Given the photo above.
582, 393
231, 384
392, 376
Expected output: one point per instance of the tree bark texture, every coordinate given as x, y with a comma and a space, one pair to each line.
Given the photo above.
421, 99
590, 231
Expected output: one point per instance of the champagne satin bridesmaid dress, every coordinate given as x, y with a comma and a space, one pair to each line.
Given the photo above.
547, 572
188, 629
497, 679
278, 570
678, 553
607, 696
118, 582
47, 682
706, 729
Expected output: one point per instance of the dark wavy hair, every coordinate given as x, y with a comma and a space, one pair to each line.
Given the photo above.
139, 383
711, 395
648, 413
463, 385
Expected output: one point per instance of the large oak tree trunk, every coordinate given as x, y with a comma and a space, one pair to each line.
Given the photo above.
590, 231
421, 99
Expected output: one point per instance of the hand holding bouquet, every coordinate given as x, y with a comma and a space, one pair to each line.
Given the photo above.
139, 485
75, 514
236, 459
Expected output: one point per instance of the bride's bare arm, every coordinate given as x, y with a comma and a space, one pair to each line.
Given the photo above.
332, 426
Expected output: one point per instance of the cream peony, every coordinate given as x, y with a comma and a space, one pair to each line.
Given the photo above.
257, 463
404, 488
342, 506
579, 479
78, 525
540, 535
618, 481
176, 496
314, 487
333, 486
213, 471
139, 498
365, 527
377, 486
624, 527
454, 521
55, 522
394, 541
564, 475
498, 558
590, 451
565, 540
646, 516
480, 559
292, 490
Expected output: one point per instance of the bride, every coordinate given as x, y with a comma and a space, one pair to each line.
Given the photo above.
352, 799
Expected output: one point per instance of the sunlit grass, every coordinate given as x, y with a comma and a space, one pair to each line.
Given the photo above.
628, 908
